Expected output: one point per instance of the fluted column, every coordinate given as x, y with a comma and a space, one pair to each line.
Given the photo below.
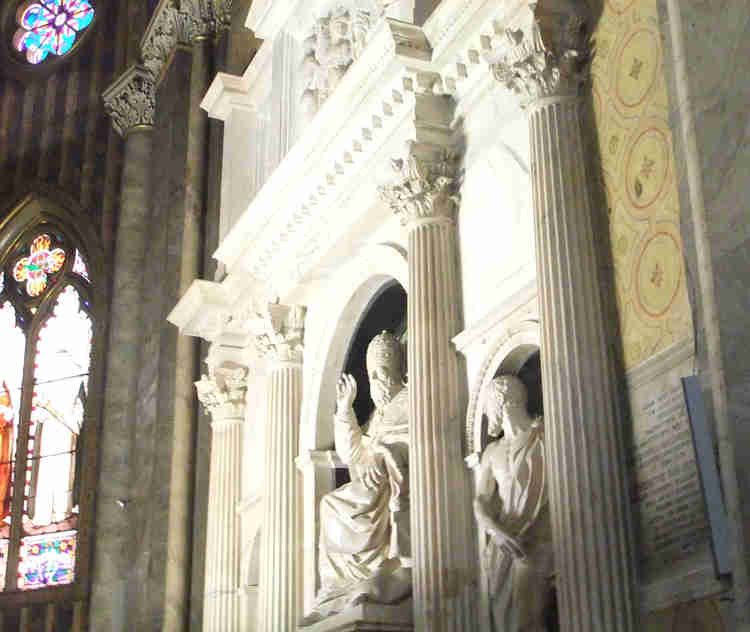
222, 393
280, 344
544, 63
425, 196
130, 104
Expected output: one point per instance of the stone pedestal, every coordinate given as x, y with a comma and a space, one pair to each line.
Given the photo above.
280, 344
590, 508
442, 542
223, 396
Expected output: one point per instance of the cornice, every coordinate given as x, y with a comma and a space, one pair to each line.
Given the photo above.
130, 101
247, 93
374, 98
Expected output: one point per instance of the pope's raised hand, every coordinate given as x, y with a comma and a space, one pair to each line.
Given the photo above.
346, 391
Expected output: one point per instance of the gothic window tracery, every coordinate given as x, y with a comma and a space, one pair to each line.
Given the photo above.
50, 27
47, 328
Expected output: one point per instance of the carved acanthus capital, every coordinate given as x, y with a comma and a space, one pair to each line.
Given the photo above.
337, 39
280, 333
426, 186
545, 56
130, 101
223, 392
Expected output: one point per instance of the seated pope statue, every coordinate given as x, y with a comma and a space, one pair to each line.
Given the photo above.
365, 551
511, 508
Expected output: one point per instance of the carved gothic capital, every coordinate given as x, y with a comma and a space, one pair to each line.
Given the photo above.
130, 101
181, 22
280, 333
546, 55
426, 185
222, 393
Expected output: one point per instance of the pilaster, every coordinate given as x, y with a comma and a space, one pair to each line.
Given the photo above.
544, 62
222, 394
425, 196
280, 343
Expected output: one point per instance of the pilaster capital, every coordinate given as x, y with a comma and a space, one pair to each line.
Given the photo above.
546, 53
130, 101
426, 185
279, 333
223, 392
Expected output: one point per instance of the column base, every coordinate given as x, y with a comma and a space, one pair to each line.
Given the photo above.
367, 617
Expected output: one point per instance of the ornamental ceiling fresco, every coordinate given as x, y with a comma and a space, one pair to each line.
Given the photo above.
635, 143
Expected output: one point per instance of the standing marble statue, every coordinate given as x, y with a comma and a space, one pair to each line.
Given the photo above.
511, 508
365, 550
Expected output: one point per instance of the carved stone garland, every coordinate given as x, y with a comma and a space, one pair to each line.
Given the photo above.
223, 396
544, 62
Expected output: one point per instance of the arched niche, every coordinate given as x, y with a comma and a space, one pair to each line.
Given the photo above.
515, 352
336, 319
351, 294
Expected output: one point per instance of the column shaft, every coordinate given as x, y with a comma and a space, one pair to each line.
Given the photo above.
221, 609
589, 504
113, 532
279, 603
186, 348
440, 493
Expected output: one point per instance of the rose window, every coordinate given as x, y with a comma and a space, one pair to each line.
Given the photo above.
50, 26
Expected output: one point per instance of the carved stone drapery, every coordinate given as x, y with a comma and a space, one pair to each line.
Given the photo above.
337, 40
130, 101
545, 63
222, 394
424, 196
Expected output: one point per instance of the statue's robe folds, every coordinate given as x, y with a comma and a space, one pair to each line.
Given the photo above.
519, 588
364, 533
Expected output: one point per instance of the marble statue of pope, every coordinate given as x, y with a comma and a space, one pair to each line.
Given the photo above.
365, 549
511, 508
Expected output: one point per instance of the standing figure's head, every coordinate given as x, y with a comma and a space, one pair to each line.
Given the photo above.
384, 368
506, 398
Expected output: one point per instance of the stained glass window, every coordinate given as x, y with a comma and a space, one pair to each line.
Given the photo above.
47, 560
50, 26
47, 332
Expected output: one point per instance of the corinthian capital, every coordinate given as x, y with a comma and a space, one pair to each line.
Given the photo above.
426, 185
223, 391
130, 101
546, 55
280, 333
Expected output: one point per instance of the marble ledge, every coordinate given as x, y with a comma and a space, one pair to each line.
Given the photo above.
247, 92
367, 617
